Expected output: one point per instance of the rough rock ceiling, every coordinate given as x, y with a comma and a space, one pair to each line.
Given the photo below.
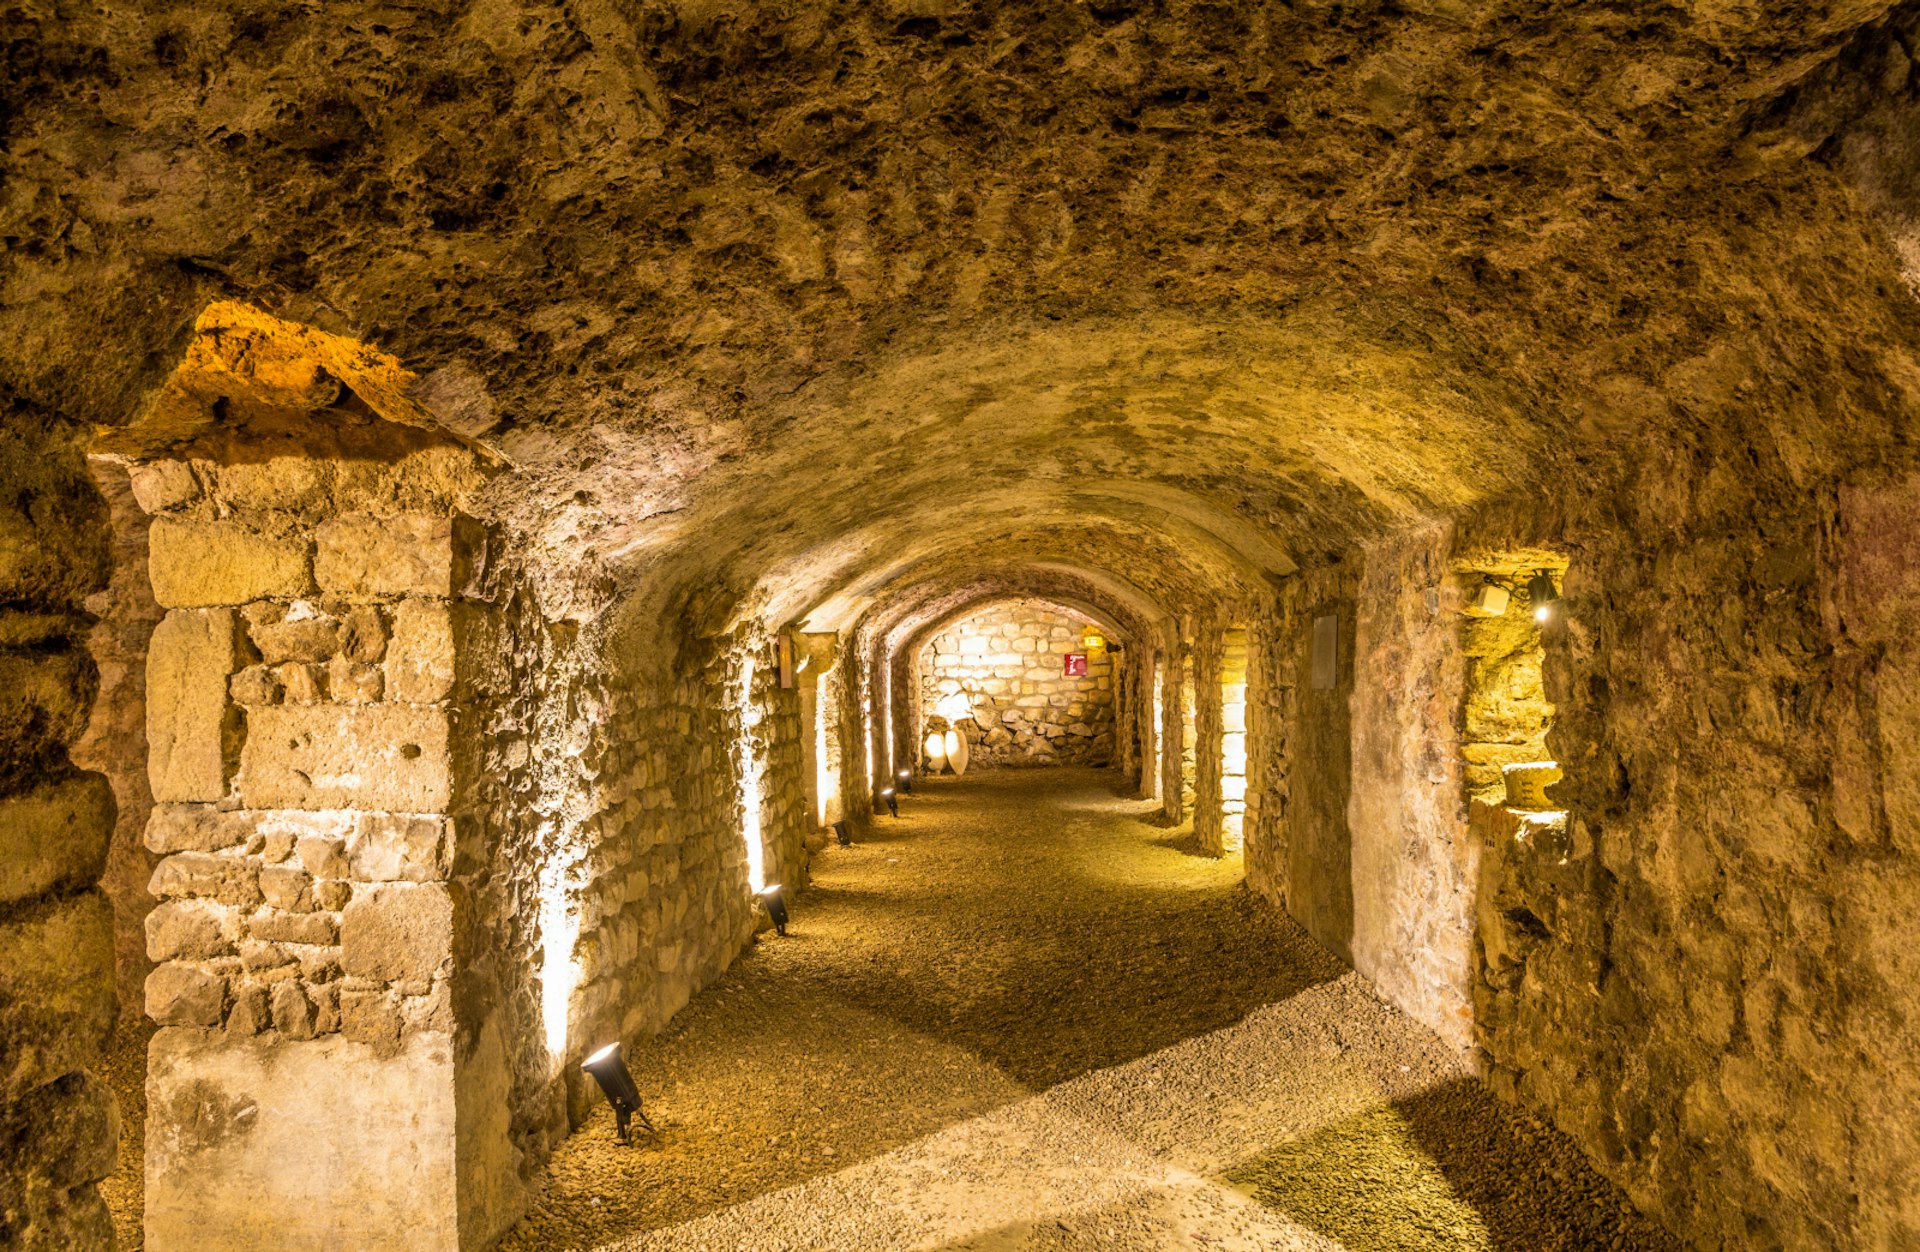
776, 308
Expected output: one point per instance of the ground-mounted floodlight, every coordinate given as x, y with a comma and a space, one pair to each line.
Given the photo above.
842, 833
904, 780
1542, 593
609, 1069
891, 799
775, 899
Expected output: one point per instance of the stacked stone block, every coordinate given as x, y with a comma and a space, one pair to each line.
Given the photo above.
1027, 711
335, 754
667, 905
298, 722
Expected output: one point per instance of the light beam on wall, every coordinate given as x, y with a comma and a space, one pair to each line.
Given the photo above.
559, 972
827, 772
957, 707
751, 770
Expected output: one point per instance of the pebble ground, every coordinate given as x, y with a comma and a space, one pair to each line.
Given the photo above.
1022, 1016
1025, 1017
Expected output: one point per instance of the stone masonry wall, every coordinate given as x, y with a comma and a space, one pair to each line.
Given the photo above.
1233, 743
1708, 971
57, 1003
1723, 981
1207, 730
341, 716
666, 907
1009, 659
1411, 863
300, 696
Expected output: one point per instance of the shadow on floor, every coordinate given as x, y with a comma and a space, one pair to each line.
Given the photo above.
1452, 1168
1008, 932
1050, 938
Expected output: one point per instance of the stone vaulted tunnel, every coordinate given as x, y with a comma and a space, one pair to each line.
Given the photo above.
490, 490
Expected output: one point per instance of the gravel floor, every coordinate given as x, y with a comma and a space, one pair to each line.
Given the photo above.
1023, 1017
124, 1070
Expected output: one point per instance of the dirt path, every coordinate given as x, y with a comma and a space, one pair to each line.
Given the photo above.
1022, 1017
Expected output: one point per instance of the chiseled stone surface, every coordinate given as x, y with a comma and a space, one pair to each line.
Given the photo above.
378, 756
386, 556
199, 564
192, 727
385, 1173
394, 931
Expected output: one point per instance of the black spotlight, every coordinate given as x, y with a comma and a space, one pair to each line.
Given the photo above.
905, 780
842, 834
1542, 593
610, 1071
891, 800
776, 902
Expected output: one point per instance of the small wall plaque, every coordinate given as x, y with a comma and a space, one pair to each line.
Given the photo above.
1326, 651
1076, 665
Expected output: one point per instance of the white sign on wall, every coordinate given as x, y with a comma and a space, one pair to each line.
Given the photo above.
1326, 651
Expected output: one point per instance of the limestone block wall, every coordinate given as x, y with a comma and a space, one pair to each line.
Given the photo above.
57, 1002
1300, 853
1010, 659
340, 758
1412, 866
1172, 720
666, 905
852, 676
1189, 712
1708, 970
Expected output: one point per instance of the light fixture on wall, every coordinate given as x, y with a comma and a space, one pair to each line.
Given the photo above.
1489, 600
776, 902
904, 779
889, 798
1542, 594
842, 833
610, 1071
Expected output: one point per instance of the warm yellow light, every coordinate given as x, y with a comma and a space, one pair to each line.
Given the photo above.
955, 707
1094, 641
937, 749
751, 770
952, 743
559, 973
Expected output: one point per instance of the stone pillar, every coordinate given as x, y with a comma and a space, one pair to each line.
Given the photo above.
1233, 739
820, 728
1204, 754
329, 1074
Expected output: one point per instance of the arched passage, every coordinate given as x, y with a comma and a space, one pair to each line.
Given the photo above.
556, 425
